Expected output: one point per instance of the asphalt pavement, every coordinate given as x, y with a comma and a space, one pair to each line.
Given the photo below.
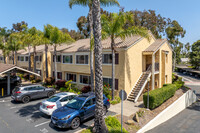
26, 118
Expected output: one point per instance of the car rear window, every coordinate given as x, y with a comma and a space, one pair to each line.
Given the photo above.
53, 99
16, 89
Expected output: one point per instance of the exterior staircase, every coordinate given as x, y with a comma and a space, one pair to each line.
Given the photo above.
140, 85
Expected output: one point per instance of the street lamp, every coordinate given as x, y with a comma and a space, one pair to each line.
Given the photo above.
148, 79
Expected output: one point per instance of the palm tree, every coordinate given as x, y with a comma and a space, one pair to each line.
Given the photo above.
89, 4
56, 38
46, 39
14, 44
113, 26
4, 34
36, 41
99, 122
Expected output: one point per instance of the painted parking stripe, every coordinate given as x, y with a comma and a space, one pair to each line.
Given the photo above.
42, 123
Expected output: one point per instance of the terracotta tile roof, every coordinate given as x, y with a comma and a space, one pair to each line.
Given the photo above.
154, 46
84, 44
4, 67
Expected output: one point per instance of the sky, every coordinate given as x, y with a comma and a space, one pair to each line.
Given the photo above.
57, 12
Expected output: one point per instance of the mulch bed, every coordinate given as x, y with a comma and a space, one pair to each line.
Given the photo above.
148, 115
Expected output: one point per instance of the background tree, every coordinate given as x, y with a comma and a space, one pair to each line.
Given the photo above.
113, 27
174, 32
195, 55
74, 34
99, 122
82, 24
18, 27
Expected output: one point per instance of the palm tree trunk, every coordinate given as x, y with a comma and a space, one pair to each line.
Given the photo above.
46, 61
99, 122
29, 58
91, 49
55, 64
113, 68
34, 58
13, 57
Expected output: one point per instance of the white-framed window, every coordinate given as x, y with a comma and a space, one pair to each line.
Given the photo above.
70, 76
84, 79
38, 58
81, 59
107, 58
67, 59
26, 58
20, 58
58, 58
108, 81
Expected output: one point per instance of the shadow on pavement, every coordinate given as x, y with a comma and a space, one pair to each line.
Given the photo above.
32, 111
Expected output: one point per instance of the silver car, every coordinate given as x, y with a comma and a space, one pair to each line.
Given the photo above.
27, 93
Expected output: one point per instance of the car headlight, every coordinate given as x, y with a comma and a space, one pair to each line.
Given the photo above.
66, 118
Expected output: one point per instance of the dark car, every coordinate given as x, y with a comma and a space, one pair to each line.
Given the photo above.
29, 92
16, 80
77, 110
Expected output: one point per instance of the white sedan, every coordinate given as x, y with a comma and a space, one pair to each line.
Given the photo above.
56, 101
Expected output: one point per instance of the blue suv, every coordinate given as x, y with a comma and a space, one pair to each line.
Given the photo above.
77, 110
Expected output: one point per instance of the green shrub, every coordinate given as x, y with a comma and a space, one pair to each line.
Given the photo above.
32, 77
107, 91
64, 89
116, 100
114, 125
158, 96
50, 81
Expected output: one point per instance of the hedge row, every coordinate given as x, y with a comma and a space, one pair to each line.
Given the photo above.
158, 96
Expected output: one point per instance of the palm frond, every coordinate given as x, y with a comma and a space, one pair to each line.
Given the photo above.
109, 3
79, 2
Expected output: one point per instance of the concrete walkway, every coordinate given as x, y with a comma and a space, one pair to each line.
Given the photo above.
129, 108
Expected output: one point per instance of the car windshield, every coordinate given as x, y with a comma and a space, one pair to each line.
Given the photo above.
75, 104
53, 99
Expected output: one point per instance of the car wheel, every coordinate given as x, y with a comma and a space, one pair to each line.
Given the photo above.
75, 123
104, 110
50, 94
25, 99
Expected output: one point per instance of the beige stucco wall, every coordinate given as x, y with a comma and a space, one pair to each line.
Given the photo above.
134, 63
168, 64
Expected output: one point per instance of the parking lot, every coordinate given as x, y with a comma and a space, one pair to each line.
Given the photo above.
26, 118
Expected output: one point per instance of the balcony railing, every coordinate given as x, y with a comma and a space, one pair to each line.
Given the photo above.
149, 67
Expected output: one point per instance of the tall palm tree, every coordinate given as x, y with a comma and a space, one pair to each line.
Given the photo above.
56, 38
89, 4
37, 37
4, 34
14, 44
99, 122
113, 26
46, 39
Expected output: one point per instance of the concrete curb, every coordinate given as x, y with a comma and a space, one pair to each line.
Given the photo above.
180, 104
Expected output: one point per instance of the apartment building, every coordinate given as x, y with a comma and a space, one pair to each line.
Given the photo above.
137, 61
